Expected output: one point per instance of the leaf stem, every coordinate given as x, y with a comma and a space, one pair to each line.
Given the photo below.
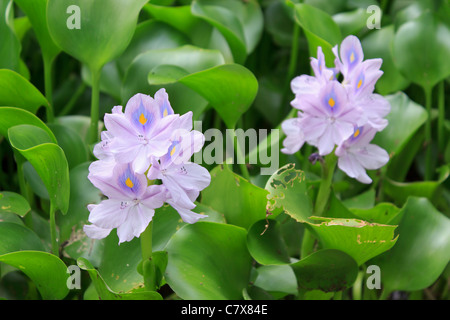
53, 233
93, 129
239, 155
428, 156
323, 195
328, 167
48, 83
148, 268
441, 117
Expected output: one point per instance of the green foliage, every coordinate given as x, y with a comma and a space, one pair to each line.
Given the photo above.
230, 62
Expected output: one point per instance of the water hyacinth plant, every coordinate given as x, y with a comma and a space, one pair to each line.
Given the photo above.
224, 150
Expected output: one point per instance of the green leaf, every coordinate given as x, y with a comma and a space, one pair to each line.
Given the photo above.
241, 23
198, 31
400, 191
383, 213
422, 250
288, 191
229, 88
241, 202
266, 244
16, 91
109, 26
82, 193
47, 158
14, 203
47, 271
326, 270
190, 58
320, 30
16, 237
105, 293
36, 11
405, 118
70, 141
423, 58
10, 48
277, 280
378, 44
359, 239
208, 260
352, 22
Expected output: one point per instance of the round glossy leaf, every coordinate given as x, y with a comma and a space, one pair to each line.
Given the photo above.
359, 239
241, 202
208, 260
421, 50
326, 270
16, 91
16, 237
422, 250
47, 271
94, 32
266, 244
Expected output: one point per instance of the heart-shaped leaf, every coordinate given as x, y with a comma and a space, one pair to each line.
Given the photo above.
14, 203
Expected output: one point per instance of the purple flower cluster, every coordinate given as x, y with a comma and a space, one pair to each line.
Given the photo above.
341, 116
143, 162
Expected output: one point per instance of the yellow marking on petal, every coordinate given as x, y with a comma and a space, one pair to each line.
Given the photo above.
129, 183
352, 57
359, 84
356, 134
165, 113
331, 102
173, 150
142, 119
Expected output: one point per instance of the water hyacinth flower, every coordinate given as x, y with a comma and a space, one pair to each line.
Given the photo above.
356, 154
143, 162
340, 115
